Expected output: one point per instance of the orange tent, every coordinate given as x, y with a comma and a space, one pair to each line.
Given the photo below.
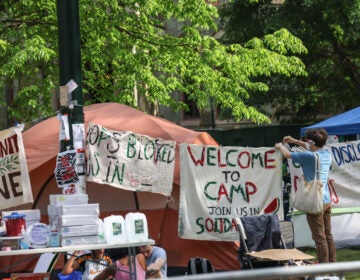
42, 145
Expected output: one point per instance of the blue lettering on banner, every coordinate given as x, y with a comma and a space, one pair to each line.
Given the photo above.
346, 154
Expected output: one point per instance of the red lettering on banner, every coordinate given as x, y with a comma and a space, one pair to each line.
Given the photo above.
197, 162
212, 156
222, 191
9, 146
333, 195
269, 160
296, 179
250, 189
220, 225
247, 164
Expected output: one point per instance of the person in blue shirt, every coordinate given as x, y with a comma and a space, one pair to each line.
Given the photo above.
320, 224
156, 261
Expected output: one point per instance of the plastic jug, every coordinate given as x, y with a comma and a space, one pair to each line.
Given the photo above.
136, 227
114, 229
14, 223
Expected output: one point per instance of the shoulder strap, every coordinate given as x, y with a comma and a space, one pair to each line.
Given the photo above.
317, 166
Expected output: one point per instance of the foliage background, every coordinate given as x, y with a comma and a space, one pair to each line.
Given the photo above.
330, 30
126, 46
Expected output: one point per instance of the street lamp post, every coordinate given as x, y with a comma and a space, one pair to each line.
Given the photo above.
71, 101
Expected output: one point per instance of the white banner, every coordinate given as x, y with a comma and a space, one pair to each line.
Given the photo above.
344, 175
221, 183
15, 188
129, 161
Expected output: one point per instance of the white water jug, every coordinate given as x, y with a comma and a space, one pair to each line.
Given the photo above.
115, 229
136, 227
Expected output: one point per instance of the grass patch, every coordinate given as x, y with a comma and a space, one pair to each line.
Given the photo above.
342, 255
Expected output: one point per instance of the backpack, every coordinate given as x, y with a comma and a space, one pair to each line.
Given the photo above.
199, 265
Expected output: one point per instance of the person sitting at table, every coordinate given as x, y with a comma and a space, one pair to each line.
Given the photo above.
156, 260
121, 269
92, 263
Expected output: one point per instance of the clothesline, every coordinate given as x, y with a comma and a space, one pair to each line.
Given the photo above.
35, 121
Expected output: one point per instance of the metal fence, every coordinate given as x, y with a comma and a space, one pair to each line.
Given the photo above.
318, 271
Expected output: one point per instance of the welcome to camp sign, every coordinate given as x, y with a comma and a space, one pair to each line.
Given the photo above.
218, 184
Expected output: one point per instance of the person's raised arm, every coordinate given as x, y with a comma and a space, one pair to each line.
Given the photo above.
71, 264
285, 152
289, 139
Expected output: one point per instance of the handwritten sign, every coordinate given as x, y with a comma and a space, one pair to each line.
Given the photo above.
129, 161
344, 175
218, 184
15, 188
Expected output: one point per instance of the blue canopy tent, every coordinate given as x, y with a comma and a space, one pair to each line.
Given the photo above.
347, 123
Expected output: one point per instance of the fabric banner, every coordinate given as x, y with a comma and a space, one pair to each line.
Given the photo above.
344, 175
15, 188
219, 184
129, 161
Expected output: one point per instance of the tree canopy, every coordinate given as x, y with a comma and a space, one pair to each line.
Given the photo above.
127, 43
330, 30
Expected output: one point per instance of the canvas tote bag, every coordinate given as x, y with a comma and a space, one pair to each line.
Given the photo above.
309, 196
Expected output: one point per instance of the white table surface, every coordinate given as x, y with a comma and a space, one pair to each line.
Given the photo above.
74, 248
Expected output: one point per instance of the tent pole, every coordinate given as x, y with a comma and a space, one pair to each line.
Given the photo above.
136, 201
41, 191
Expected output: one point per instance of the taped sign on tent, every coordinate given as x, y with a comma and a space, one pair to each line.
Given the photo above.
65, 172
129, 161
15, 188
